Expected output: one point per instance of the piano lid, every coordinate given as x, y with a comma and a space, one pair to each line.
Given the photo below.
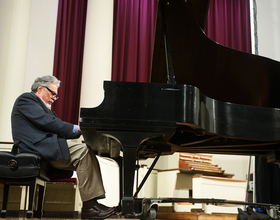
219, 72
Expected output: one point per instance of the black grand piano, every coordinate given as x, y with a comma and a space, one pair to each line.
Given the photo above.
202, 97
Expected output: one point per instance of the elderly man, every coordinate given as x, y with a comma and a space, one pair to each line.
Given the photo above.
35, 129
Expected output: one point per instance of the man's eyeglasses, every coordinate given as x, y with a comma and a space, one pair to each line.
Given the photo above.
52, 92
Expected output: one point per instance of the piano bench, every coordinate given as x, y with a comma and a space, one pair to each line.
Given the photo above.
24, 169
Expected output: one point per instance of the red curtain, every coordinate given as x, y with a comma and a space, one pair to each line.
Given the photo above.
68, 58
228, 24
134, 24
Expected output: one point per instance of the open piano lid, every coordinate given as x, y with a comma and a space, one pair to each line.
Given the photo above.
219, 72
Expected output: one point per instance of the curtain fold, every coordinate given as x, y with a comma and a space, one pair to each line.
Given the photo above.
228, 24
68, 58
134, 24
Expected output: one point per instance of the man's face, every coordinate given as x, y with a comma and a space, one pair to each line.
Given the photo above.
46, 94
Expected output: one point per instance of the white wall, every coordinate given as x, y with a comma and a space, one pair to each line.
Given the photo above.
97, 52
268, 23
14, 27
41, 43
232, 164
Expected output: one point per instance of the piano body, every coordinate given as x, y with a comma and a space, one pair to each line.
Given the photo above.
202, 98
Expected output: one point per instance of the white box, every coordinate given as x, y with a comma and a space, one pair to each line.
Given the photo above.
219, 188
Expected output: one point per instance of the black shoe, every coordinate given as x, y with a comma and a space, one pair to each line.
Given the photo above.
98, 211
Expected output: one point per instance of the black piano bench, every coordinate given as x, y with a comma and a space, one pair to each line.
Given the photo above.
23, 169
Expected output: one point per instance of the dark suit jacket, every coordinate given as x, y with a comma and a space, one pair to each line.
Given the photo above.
35, 129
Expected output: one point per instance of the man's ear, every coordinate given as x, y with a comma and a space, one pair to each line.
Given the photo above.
39, 89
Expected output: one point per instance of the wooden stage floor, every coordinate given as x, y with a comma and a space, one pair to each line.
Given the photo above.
160, 216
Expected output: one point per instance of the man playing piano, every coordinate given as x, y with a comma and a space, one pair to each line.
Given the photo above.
36, 130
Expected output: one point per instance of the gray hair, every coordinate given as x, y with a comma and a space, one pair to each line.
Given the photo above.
44, 81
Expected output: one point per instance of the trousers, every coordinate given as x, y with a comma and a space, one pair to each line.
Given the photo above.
83, 160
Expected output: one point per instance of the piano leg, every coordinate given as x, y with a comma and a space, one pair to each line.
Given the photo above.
119, 161
128, 171
127, 164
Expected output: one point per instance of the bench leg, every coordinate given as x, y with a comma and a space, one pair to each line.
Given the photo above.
5, 200
32, 192
41, 200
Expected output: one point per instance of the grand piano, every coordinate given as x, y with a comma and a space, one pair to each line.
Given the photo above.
202, 97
